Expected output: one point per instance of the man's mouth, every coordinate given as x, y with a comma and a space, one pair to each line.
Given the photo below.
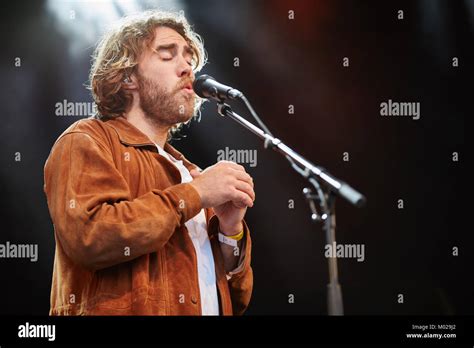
188, 86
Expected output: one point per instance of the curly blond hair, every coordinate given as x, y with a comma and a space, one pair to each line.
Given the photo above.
116, 57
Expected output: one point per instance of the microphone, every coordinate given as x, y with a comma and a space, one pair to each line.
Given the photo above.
207, 87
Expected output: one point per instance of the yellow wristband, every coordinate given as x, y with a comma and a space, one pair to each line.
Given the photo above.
237, 236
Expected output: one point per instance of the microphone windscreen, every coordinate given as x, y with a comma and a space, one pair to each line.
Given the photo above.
198, 85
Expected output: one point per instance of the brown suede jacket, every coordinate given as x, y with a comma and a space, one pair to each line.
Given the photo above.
118, 209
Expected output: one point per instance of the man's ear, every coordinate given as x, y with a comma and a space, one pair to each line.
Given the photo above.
130, 83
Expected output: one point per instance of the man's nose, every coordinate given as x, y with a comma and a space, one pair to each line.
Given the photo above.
184, 69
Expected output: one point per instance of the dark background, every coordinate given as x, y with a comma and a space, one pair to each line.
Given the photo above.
337, 109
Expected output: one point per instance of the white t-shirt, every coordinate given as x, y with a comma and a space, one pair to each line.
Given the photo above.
197, 228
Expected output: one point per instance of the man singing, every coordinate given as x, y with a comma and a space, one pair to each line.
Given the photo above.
139, 229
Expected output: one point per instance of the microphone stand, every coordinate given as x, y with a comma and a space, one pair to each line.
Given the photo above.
324, 196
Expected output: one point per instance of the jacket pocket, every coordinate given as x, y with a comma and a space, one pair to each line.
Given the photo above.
113, 287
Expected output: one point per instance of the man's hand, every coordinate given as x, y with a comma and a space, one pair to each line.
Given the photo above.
228, 189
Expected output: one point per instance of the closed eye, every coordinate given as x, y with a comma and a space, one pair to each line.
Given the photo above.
168, 52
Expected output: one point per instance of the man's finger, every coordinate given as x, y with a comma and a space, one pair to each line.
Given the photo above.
235, 166
194, 173
242, 176
246, 188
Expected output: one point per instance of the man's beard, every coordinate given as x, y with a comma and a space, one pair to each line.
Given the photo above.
163, 107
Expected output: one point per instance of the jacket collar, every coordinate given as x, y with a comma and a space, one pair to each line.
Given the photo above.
128, 133
132, 136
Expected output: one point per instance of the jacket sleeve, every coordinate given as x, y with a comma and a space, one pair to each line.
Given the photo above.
240, 281
96, 222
